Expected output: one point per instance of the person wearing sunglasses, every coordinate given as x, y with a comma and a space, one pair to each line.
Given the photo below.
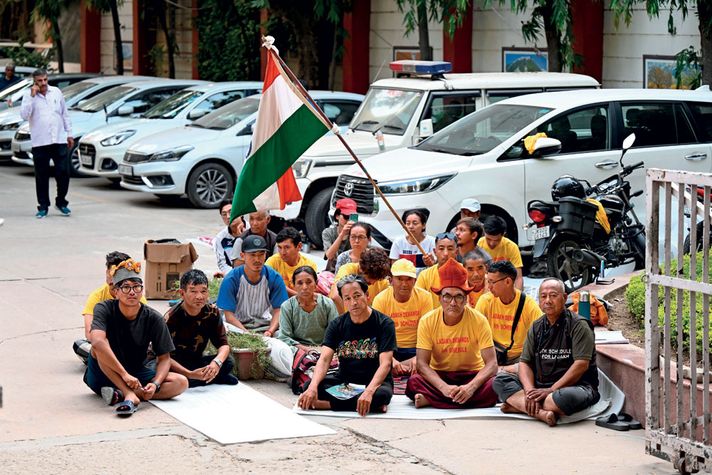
445, 248
455, 357
120, 333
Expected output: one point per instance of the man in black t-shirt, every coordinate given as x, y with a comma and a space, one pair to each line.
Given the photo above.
120, 334
558, 375
192, 324
364, 340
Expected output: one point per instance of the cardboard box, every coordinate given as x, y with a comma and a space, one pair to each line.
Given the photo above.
166, 261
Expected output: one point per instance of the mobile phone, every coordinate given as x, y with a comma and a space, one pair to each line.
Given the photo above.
353, 217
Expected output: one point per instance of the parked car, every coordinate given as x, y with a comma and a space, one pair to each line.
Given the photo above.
101, 151
12, 96
483, 155
75, 93
204, 159
115, 105
401, 112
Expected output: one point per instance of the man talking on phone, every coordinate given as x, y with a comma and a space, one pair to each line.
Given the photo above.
44, 108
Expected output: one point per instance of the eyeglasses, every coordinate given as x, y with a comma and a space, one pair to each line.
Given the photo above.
128, 288
440, 236
492, 282
225, 213
447, 298
358, 238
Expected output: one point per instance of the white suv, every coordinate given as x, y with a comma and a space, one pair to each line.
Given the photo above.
483, 155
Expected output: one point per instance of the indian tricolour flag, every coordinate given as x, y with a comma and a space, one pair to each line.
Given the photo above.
287, 125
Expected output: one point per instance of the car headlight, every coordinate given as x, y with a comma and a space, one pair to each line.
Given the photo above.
417, 185
301, 168
10, 126
171, 155
116, 139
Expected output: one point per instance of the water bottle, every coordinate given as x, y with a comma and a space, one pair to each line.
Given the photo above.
585, 304
381, 141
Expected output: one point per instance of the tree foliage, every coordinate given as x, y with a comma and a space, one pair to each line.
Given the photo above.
112, 6
50, 11
419, 12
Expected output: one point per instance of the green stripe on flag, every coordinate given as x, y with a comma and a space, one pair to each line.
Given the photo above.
275, 156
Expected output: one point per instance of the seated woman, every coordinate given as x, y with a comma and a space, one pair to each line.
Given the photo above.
374, 266
359, 239
364, 340
406, 248
303, 318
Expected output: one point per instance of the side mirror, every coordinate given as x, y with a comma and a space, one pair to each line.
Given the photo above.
247, 130
426, 128
627, 144
545, 146
125, 110
196, 114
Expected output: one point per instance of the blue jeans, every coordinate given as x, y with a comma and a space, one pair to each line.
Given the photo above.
95, 378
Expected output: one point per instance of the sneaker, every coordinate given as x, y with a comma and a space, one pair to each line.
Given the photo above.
41, 214
64, 210
111, 395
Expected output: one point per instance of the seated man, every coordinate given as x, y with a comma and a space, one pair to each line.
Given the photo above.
82, 347
374, 266
225, 239
501, 248
258, 227
120, 334
405, 304
455, 356
557, 371
289, 257
192, 324
509, 312
364, 340
335, 238
476, 263
445, 248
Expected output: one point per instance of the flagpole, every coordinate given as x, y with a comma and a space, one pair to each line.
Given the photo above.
324, 118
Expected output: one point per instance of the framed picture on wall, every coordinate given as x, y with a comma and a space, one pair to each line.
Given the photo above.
406, 52
659, 73
524, 60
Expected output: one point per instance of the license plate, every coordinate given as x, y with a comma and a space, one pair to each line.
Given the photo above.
126, 170
15, 147
541, 233
86, 159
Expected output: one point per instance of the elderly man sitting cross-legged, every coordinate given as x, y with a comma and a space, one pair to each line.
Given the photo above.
557, 369
455, 355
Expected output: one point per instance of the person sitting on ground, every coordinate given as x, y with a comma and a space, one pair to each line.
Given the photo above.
258, 227
445, 248
405, 304
192, 324
225, 239
501, 248
303, 319
476, 263
335, 238
359, 240
468, 232
455, 356
82, 347
509, 311
364, 340
120, 333
470, 208
557, 371
404, 247
374, 266
251, 296
289, 257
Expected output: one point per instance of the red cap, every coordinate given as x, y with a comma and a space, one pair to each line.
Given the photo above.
346, 206
452, 274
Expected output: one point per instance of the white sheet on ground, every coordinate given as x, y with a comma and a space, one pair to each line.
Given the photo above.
607, 337
401, 407
234, 414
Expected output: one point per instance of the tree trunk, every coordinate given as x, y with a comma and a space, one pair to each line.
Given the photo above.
423, 35
704, 13
553, 41
117, 37
57, 39
170, 46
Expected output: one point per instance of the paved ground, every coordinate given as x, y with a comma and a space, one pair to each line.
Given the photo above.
51, 423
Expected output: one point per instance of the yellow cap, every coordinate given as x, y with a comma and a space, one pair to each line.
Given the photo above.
404, 268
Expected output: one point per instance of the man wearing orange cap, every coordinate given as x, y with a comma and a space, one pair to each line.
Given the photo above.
445, 248
406, 305
455, 356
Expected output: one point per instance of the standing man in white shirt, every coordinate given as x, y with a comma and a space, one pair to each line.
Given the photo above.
43, 106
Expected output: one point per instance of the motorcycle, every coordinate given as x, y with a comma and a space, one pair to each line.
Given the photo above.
572, 243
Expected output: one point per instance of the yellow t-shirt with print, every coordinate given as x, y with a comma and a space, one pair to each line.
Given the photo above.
352, 269
276, 262
99, 295
406, 315
501, 318
506, 250
426, 280
457, 347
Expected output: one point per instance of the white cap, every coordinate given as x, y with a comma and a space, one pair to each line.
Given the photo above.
470, 204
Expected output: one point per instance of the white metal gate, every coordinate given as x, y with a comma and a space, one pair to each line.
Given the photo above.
678, 408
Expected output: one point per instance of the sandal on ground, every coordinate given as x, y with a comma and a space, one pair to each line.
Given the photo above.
126, 408
111, 395
612, 422
628, 419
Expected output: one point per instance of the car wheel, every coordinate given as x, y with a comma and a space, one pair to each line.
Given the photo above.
75, 164
562, 265
209, 184
316, 217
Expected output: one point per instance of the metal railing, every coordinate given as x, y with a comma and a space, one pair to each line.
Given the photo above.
677, 364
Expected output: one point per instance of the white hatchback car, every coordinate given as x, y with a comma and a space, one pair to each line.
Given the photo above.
483, 155
204, 159
101, 150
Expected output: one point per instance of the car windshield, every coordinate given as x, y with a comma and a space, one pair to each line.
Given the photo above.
387, 109
75, 89
170, 108
229, 115
97, 103
483, 130
7, 93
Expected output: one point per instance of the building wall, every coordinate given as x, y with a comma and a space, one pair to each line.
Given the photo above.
494, 29
184, 41
107, 38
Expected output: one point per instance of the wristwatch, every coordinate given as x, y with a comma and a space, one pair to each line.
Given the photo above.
218, 362
158, 386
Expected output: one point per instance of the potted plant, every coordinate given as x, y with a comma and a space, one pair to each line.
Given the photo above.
251, 354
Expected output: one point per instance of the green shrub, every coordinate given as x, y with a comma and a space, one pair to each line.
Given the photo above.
254, 342
214, 288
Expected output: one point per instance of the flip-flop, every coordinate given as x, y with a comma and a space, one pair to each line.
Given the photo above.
111, 395
612, 422
126, 408
628, 419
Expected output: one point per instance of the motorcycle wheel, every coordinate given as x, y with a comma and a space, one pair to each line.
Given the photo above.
563, 266
686, 245
639, 246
